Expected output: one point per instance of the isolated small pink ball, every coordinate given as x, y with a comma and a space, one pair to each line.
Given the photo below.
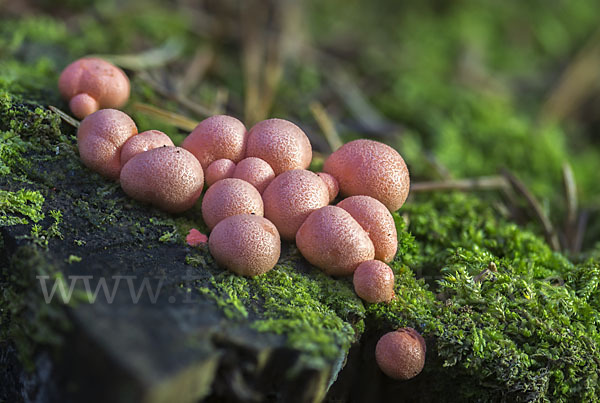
371, 168
100, 138
219, 169
245, 244
377, 220
374, 281
291, 197
256, 172
143, 142
401, 354
282, 144
331, 183
217, 137
91, 83
333, 241
229, 197
170, 178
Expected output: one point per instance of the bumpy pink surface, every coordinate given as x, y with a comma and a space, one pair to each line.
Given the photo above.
377, 220
195, 238
245, 244
331, 183
255, 171
143, 142
219, 169
401, 354
82, 105
170, 178
291, 197
333, 241
100, 138
374, 281
282, 144
217, 137
99, 79
229, 197
367, 167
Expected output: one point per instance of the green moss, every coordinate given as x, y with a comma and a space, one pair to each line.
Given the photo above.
25, 318
16, 207
317, 314
528, 331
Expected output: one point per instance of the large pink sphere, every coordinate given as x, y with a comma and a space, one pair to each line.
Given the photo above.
282, 144
371, 168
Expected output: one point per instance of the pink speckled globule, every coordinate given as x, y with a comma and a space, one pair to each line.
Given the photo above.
377, 220
219, 169
333, 241
170, 178
282, 144
217, 137
256, 172
100, 138
367, 167
91, 84
143, 142
374, 281
245, 244
291, 197
229, 197
401, 354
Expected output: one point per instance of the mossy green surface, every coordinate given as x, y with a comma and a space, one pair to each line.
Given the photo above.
526, 332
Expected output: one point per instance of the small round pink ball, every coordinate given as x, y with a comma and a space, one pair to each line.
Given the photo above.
143, 142
374, 281
229, 197
401, 354
217, 137
282, 144
219, 169
256, 172
100, 138
170, 178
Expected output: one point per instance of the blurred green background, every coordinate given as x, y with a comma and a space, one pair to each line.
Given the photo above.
461, 88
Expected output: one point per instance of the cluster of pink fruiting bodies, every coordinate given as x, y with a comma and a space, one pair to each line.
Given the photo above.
259, 190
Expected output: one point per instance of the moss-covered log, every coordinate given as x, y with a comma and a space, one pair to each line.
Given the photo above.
504, 316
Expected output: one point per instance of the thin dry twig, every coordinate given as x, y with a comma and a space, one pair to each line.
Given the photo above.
180, 99
471, 184
174, 119
253, 50
534, 204
352, 95
579, 80
196, 70
151, 58
326, 124
579, 232
269, 29
70, 120
485, 273
570, 189
221, 99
